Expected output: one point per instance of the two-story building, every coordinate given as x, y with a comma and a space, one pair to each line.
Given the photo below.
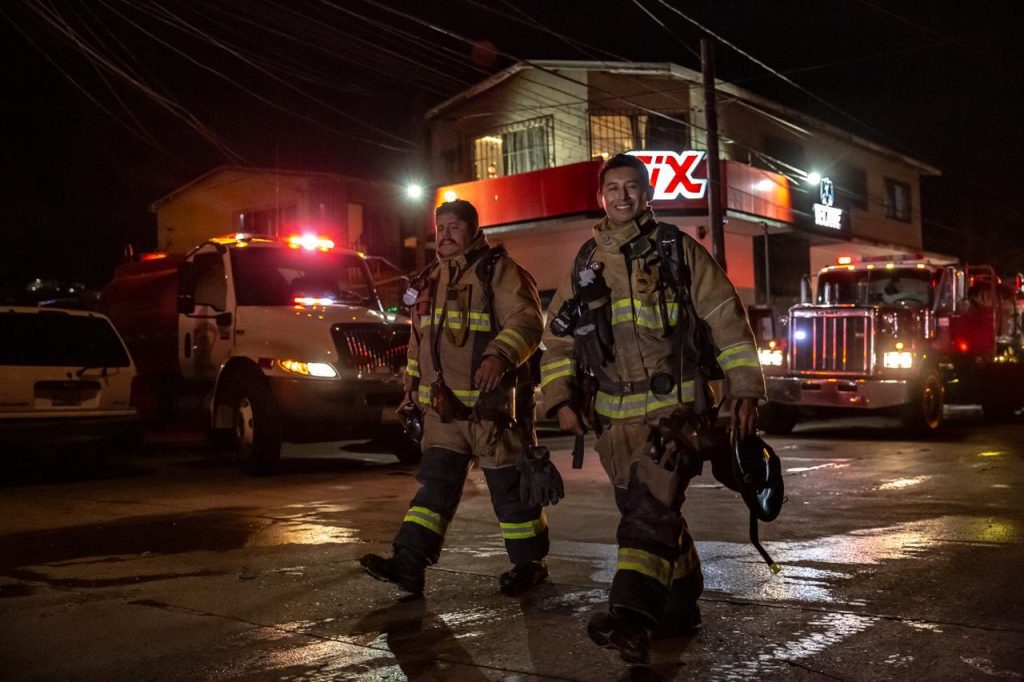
526, 144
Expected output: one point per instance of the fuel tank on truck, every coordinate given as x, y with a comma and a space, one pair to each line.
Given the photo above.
142, 302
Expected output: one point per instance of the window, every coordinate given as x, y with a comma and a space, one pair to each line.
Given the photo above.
517, 148
211, 281
897, 200
51, 338
270, 221
614, 132
851, 184
789, 152
275, 277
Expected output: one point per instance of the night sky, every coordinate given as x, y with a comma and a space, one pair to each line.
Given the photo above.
106, 106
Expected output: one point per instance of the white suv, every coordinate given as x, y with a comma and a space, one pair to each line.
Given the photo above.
65, 377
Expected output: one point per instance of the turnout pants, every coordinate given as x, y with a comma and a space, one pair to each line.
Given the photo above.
658, 572
442, 476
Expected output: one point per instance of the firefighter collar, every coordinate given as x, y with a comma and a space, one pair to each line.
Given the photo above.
615, 238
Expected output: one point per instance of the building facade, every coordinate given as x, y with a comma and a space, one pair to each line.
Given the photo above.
359, 214
525, 146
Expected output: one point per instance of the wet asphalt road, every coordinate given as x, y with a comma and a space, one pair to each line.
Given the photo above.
900, 559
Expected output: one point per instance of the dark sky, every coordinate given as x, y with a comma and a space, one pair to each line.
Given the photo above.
108, 105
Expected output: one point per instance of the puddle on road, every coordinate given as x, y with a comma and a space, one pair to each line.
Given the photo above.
820, 634
901, 483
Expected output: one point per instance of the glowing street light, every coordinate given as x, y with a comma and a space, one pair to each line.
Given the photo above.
414, 191
813, 178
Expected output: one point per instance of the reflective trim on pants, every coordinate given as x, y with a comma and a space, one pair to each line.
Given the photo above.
430, 520
645, 563
526, 529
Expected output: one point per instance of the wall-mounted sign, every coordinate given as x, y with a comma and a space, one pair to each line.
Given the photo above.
672, 174
825, 213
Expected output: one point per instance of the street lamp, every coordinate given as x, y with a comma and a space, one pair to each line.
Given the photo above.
414, 191
813, 178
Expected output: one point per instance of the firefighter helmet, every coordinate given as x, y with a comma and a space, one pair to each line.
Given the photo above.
758, 472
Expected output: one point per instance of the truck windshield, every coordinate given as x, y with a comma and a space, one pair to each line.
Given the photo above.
878, 286
275, 276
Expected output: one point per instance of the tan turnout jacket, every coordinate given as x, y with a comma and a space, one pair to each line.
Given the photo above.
641, 345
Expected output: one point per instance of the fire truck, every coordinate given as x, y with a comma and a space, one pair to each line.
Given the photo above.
272, 339
901, 334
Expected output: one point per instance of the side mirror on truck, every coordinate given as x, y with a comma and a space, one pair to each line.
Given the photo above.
186, 288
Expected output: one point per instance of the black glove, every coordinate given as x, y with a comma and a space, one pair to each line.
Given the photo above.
540, 484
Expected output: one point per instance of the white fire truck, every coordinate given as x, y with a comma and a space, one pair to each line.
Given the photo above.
900, 334
278, 339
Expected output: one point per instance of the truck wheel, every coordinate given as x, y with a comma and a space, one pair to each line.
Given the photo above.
923, 416
777, 419
257, 425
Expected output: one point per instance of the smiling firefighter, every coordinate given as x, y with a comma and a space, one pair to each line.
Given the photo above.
643, 319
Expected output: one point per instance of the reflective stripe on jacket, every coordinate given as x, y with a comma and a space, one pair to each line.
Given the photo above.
642, 343
515, 304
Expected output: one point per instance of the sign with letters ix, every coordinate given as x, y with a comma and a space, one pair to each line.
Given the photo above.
673, 174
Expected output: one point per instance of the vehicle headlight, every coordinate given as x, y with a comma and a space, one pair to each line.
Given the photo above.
898, 359
770, 357
309, 369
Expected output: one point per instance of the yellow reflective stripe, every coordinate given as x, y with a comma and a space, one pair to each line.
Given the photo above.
639, 404
524, 530
467, 398
549, 371
478, 322
427, 518
646, 315
515, 339
651, 565
412, 367
740, 355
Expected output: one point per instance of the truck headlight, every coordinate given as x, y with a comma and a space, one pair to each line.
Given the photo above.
770, 357
309, 369
898, 359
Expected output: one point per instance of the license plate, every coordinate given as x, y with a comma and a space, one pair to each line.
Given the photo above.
388, 416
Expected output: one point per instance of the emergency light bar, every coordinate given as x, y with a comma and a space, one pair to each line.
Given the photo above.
310, 242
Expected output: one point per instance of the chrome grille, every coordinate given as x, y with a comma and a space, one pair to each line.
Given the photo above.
372, 348
833, 342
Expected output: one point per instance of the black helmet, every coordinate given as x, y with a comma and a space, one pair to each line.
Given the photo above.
410, 416
758, 472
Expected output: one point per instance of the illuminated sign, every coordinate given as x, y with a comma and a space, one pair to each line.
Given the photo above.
825, 214
672, 174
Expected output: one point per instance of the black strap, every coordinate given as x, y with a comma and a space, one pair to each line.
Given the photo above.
436, 330
583, 258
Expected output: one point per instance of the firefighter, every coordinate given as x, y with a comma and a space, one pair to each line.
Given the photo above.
476, 318
634, 308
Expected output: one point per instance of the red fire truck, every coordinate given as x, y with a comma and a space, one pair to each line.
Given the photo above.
901, 334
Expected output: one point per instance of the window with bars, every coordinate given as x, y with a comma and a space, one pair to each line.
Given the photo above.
614, 132
897, 200
517, 148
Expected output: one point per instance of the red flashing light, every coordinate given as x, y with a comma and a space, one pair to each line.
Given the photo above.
844, 260
152, 256
963, 346
309, 300
310, 242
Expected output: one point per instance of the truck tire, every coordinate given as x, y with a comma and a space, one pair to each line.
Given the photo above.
923, 415
257, 424
778, 419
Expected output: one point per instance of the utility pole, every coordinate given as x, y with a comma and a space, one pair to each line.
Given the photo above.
707, 61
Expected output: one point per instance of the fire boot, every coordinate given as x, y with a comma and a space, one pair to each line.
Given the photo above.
677, 623
522, 577
400, 570
625, 631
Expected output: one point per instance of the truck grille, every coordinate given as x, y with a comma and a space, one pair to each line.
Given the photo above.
833, 342
372, 348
